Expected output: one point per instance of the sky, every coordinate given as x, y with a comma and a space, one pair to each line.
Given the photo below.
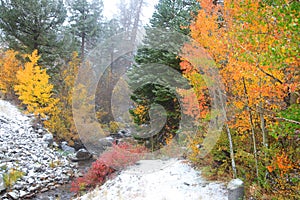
110, 9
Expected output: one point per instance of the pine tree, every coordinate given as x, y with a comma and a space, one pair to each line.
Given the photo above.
32, 24
153, 59
86, 22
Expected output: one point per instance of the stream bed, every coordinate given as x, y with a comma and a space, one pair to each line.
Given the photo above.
63, 192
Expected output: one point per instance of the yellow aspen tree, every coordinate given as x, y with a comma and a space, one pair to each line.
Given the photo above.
9, 65
61, 122
34, 89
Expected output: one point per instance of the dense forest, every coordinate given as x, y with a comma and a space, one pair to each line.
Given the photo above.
234, 62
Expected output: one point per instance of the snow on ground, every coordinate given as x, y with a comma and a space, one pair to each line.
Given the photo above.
11, 112
23, 147
159, 180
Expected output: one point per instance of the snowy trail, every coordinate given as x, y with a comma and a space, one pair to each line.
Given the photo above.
172, 180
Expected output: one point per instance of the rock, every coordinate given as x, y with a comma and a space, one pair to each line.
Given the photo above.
30, 180
66, 148
13, 195
2, 184
48, 138
235, 189
22, 193
105, 142
116, 135
24, 148
18, 186
2, 120
83, 154
44, 190
124, 133
55, 144
40, 131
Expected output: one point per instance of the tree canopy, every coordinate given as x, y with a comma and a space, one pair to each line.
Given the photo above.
33, 24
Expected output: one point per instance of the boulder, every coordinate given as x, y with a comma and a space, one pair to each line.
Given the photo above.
235, 189
83, 154
66, 148
13, 195
48, 138
105, 142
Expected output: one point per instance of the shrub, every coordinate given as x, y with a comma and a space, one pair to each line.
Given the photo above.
113, 127
114, 159
11, 177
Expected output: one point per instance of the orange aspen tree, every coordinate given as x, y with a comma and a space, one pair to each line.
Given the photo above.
254, 45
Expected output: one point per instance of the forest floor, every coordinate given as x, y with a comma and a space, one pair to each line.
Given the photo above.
171, 179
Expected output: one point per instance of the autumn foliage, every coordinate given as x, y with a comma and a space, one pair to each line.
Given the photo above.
254, 45
34, 89
114, 159
61, 122
9, 65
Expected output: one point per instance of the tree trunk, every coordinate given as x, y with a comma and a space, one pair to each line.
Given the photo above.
262, 125
252, 128
228, 135
262, 120
82, 45
136, 20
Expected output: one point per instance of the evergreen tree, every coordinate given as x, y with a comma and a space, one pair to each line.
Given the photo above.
125, 24
157, 57
86, 22
33, 25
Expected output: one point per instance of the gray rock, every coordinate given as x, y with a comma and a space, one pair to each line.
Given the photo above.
66, 148
2, 184
235, 189
21, 131
105, 142
13, 195
18, 186
23, 147
83, 154
2, 120
48, 138
23, 193
124, 133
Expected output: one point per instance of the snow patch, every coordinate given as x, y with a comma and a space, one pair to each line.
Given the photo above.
174, 180
11, 112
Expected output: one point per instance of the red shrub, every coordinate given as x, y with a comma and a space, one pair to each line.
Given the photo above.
122, 155
116, 158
